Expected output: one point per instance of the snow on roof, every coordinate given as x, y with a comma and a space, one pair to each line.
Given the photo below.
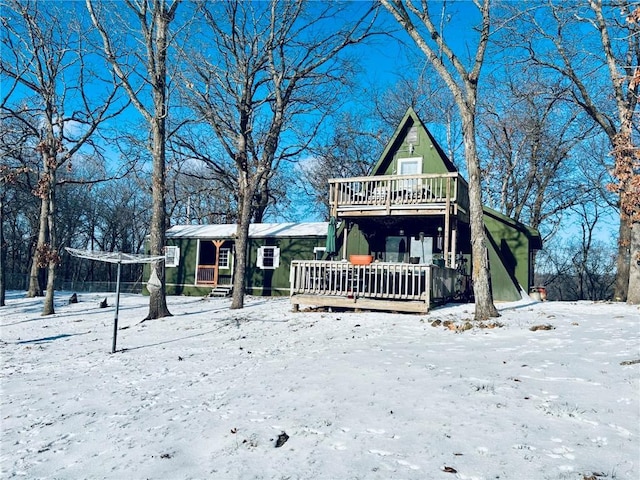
256, 230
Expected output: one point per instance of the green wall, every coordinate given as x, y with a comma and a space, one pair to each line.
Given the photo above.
184, 273
180, 280
511, 244
276, 282
503, 284
432, 162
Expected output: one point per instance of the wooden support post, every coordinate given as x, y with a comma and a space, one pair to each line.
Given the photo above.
387, 190
334, 191
447, 225
454, 246
218, 244
344, 244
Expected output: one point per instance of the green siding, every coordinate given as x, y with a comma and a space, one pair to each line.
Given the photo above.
434, 160
512, 245
276, 282
431, 160
503, 284
180, 280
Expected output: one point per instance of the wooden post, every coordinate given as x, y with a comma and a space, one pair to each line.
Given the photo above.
335, 194
454, 242
387, 189
447, 225
344, 244
218, 244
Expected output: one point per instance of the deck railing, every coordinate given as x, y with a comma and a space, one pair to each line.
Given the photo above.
383, 281
206, 274
385, 192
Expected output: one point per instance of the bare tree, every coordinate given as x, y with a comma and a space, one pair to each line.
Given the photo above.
8, 176
580, 267
430, 98
609, 37
580, 259
196, 194
148, 90
274, 67
42, 50
349, 151
19, 209
419, 23
19, 164
530, 137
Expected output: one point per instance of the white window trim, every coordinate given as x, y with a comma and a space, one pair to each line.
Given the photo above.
276, 258
171, 256
227, 265
410, 160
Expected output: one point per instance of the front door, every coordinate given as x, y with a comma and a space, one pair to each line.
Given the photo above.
422, 248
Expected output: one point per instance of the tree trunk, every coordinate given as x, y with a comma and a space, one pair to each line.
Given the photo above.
35, 289
157, 297
262, 199
480, 258
52, 249
623, 259
48, 307
633, 296
242, 244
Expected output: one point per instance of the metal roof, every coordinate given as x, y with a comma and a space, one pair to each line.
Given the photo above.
256, 230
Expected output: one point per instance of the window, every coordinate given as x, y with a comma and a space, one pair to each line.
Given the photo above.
409, 166
171, 256
223, 261
268, 258
395, 249
318, 252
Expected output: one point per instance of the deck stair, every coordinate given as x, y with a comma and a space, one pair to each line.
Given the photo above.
221, 291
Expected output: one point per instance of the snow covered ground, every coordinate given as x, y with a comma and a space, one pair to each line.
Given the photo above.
206, 393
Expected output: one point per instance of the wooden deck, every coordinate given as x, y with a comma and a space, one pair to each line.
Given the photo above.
399, 287
421, 194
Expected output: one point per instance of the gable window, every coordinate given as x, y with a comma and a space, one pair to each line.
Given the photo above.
223, 261
410, 166
171, 256
268, 258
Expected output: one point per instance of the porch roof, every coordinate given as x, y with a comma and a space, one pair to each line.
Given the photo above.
256, 230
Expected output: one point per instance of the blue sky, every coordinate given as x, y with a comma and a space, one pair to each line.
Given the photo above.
388, 55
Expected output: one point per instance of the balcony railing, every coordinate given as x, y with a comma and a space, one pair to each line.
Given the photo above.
377, 285
389, 193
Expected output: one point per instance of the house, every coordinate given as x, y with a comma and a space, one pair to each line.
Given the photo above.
399, 239
409, 221
200, 258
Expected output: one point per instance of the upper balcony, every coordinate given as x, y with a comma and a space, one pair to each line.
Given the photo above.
381, 195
